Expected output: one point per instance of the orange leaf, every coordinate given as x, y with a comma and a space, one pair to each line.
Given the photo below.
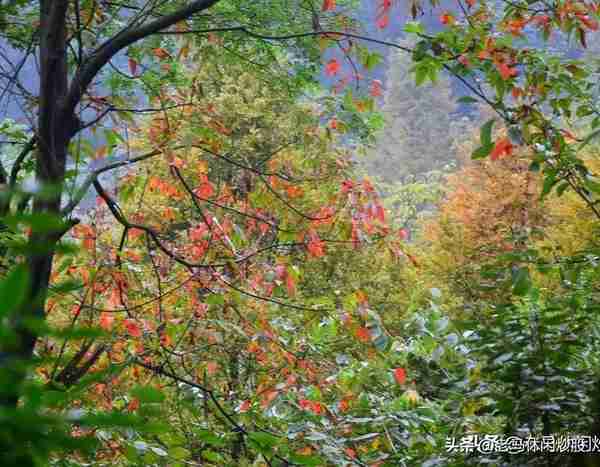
135, 233
206, 189
294, 191
212, 367
160, 53
268, 398
101, 152
165, 340
344, 404
291, 285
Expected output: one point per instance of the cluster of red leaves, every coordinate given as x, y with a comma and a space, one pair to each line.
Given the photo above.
313, 406
87, 233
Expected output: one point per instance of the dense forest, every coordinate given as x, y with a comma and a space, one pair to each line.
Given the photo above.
299, 233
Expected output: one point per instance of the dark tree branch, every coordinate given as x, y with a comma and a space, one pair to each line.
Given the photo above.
111, 47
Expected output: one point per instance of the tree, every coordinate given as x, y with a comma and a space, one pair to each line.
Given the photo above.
79, 43
534, 93
423, 127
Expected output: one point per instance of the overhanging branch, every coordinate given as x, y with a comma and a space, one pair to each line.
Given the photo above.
112, 46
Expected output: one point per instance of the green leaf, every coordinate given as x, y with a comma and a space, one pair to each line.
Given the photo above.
549, 183
486, 133
13, 289
561, 188
148, 394
521, 282
589, 138
39, 222
414, 27
372, 60
264, 440
179, 453
482, 152
209, 437
213, 456
592, 185
467, 100
215, 299
306, 460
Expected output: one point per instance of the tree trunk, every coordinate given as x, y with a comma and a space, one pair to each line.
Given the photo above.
55, 129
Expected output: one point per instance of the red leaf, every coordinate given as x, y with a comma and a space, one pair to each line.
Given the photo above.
447, 19
313, 406
516, 26
503, 147
315, 246
464, 60
206, 189
328, 5
380, 213
305, 403
332, 68
383, 21
506, 71
363, 334
106, 321
347, 186
133, 405
400, 375
344, 404
132, 66
132, 328
375, 88
588, 21
244, 406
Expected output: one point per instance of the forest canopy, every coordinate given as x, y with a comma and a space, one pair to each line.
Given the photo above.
301, 232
